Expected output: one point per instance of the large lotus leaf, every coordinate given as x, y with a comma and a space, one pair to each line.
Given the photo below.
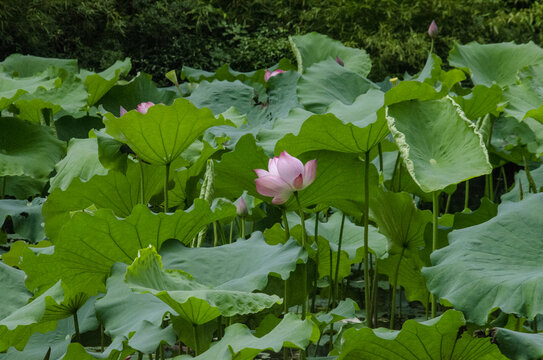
411, 90
486, 211
124, 312
403, 224
495, 63
138, 90
27, 149
162, 134
481, 101
256, 260
15, 294
28, 65
225, 72
219, 96
313, 48
240, 343
193, 301
510, 137
282, 94
290, 124
521, 181
438, 338
26, 218
99, 84
346, 309
327, 81
432, 73
535, 147
117, 350
519, 345
492, 265
23, 187
81, 162
11, 88
327, 132
440, 147
70, 96
116, 191
90, 243
17, 326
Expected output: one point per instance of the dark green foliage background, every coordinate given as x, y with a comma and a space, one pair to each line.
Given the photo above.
249, 34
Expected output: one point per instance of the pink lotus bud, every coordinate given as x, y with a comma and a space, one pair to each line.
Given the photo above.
286, 174
339, 61
122, 111
269, 74
433, 30
144, 107
241, 207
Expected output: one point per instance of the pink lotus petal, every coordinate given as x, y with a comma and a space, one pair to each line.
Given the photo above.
271, 185
310, 171
261, 172
298, 183
241, 207
144, 107
269, 74
289, 167
272, 166
281, 198
122, 111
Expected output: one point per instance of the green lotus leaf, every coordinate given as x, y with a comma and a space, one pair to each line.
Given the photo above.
81, 162
403, 224
117, 350
18, 326
27, 149
99, 84
28, 65
109, 151
90, 243
23, 187
481, 101
411, 90
346, 309
438, 338
314, 47
282, 94
225, 72
219, 96
486, 211
116, 191
495, 63
193, 301
26, 218
510, 137
290, 124
524, 98
327, 81
12, 88
69, 127
240, 343
70, 95
129, 95
162, 134
521, 181
518, 345
213, 266
440, 147
124, 312
327, 132
493, 265
15, 295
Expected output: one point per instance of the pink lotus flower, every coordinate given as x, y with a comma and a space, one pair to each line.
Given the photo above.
433, 30
286, 174
269, 74
142, 108
241, 207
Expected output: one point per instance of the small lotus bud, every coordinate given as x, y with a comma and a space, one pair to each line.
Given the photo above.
339, 61
433, 30
394, 81
241, 207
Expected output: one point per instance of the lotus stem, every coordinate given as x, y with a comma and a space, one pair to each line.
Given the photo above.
448, 203
367, 286
101, 337
338, 258
242, 220
304, 266
231, 232
504, 177
285, 223
76, 326
196, 342
531, 183
466, 196
374, 292
166, 179
395, 286
396, 164
215, 235
435, 215
316, 272
380, 148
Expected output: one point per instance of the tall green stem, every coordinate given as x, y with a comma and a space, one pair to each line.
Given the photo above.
338, 258
166, 179
285, 223
242, 220
316, 276
196, 342
466, 196
76, 325
395, 286
142, 185
215, 235
380, 148
304, 241
396, 164
435, 213
231, 232
367, 283
504, 176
